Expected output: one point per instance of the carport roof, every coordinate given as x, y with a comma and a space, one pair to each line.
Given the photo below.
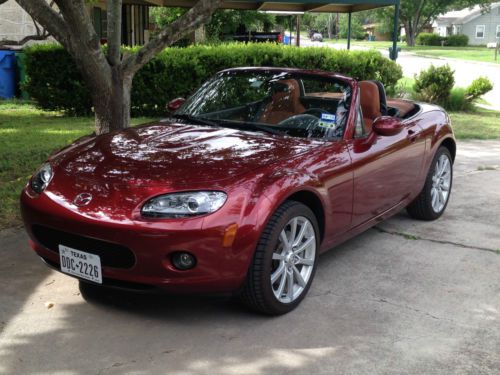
330, 6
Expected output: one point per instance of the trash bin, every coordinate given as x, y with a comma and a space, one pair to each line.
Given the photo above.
21, 74
7, 74
286, 39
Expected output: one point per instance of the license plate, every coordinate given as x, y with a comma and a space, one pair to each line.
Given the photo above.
81, 264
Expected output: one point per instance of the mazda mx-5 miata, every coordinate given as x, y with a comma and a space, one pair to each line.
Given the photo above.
241, 187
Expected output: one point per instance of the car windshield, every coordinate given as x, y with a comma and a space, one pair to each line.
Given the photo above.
293, 104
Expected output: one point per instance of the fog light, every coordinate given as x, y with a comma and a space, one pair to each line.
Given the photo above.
183, 261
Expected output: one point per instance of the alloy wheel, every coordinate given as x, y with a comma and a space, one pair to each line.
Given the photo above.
293, 259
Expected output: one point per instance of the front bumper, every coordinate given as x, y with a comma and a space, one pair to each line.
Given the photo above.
219, 268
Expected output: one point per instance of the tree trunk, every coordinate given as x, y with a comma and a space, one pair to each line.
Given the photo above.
112, 106
410, 34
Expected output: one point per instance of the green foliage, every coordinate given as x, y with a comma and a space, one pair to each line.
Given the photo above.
434, 84
429, 39
458, 101
478, 88
55, 83
460, 40
415, 14
53, 80
223, 21
357, 31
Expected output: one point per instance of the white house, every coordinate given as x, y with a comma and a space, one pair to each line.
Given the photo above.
481, 27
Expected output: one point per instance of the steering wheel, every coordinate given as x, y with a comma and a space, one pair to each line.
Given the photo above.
316, 112
303, 121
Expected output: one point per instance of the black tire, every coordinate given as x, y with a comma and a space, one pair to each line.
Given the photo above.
257, 292
421, 208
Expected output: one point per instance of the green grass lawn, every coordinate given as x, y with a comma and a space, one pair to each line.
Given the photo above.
464, 53
28, 135
481, 124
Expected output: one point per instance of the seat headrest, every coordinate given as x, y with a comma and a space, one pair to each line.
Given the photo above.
370, 99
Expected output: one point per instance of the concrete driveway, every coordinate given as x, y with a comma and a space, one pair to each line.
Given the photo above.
405, 297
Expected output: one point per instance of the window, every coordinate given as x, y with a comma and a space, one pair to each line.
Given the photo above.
359, 129
480, 29
498, 31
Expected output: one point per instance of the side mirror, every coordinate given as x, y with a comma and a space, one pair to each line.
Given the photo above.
387, 126
175, 104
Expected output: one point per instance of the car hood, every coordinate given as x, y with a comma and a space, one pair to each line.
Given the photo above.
175, 154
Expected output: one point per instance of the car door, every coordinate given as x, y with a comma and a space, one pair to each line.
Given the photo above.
385, 168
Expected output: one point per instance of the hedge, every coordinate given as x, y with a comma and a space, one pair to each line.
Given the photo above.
431, 39
55, 83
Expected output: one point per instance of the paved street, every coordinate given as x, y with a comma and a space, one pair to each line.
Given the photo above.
405, 297
465, 71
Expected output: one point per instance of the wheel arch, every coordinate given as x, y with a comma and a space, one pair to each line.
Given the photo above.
451, 145
312, 201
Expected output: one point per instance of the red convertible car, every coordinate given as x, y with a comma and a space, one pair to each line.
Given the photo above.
242, 187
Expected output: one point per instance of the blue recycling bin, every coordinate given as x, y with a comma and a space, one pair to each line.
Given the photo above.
7, 74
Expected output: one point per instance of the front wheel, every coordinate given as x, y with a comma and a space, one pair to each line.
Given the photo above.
284, 262
433, 199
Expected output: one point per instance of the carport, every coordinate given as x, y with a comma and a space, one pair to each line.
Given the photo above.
323, 6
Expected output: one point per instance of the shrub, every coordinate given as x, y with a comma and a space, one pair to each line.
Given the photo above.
478, 88
457, 40
428, 39
434, 84
56, 84
458, 101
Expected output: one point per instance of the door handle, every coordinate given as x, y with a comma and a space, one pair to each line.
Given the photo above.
412, 135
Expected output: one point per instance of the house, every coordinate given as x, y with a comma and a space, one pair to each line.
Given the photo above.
15, 23
481, 27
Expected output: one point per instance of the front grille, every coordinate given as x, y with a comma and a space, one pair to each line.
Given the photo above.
112, 255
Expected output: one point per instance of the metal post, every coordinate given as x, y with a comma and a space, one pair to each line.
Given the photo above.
394, 54
297, 40
349, 30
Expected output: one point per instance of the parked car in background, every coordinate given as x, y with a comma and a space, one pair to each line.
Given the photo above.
317, 37
241, 188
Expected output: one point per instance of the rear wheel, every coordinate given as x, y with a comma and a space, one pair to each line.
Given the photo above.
284, 262
433, 199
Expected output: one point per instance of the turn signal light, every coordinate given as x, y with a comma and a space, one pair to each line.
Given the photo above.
229, 235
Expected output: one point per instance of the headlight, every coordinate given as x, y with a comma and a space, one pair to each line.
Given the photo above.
41, 178
184, 204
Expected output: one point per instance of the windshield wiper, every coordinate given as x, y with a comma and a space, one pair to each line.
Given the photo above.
198, 120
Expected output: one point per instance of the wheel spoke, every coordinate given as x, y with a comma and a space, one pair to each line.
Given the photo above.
442, 199
293, 230
277, 256
284, 239
278, 273
306, 262
434, 195
301, 234
304, 246
289, 294
299, 277
281, 287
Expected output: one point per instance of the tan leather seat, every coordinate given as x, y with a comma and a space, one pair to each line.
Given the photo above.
370, 103
284, 104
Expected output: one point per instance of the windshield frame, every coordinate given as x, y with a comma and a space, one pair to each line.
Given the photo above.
349, 84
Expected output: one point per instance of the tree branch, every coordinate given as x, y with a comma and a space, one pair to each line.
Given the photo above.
22, 42
114, 12
199, 14
48, 18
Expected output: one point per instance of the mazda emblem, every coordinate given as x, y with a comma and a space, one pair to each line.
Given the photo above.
82, 199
